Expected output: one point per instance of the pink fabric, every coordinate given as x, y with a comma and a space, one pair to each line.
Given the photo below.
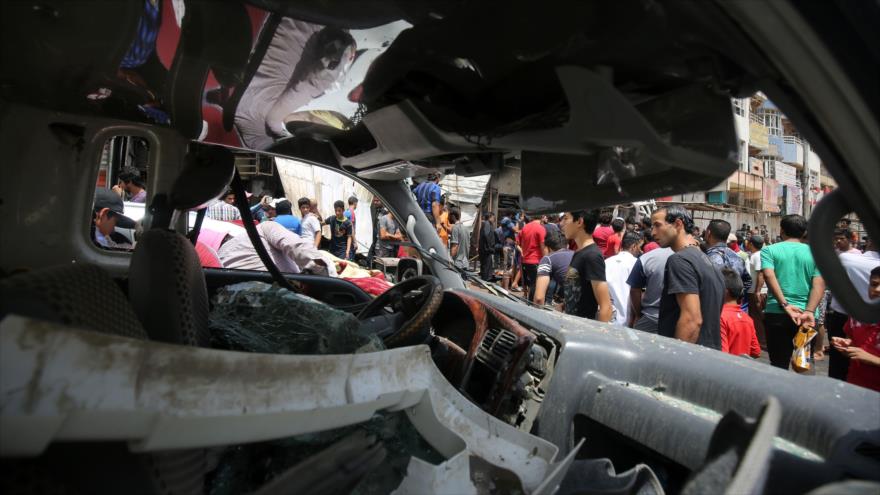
374, 285
211, 238
207, 256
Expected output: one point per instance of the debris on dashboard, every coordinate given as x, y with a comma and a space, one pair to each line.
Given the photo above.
259, 317
342, 460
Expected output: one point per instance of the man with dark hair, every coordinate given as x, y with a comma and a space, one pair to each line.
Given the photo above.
531, 240
612, 245
693, 291
650, 243
617, 271
284, 216
843, 241
721, 255
107, 214
737, 328
795, 287
486, 246
647, 275
340, 231
757, 293
389, 235
428, 195
132, 185
222, 209
552, 268
459, 240
737, 244
603, 231
310, 226
586, 291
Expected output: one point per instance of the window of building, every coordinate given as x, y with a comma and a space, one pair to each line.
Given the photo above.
740, 106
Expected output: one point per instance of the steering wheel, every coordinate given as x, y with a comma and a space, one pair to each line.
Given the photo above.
413, 303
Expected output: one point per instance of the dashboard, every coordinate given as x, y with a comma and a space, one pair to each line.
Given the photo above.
492, 359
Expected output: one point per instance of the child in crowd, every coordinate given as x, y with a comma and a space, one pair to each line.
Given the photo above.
863, 345
738, 334
340, 232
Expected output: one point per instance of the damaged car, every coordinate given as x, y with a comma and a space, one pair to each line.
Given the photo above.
143, 371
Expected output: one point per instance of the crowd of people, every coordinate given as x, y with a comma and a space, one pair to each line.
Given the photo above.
732, 291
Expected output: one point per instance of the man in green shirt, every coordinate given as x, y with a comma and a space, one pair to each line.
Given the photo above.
795, 285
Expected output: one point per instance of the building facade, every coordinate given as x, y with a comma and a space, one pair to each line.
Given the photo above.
779, 173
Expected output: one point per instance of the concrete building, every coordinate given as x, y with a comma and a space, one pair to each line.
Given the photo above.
779, 173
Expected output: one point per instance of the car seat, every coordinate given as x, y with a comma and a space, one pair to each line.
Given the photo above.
167, 289
85, 296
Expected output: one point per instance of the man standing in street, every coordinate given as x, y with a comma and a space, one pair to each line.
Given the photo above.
340, 232
586, 291
795, 287
552, 268
843, 242
757, 293
223, 209
693, 290
351, 217
721, 255
285, 217
603, 231
532, 243
617, 271
486, 247
612, 245
389, 235
310, 225
428, 196
648, 274
459, 240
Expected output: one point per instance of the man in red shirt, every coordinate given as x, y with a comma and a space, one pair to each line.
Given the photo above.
532, 243
612, 245
737, 328
603, 231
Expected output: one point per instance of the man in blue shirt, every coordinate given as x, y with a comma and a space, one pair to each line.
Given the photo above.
722, 256
285, 217
428, 196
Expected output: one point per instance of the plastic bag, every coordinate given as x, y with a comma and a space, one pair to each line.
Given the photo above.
800, 358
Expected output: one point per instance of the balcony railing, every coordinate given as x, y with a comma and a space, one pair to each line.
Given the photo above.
792, 140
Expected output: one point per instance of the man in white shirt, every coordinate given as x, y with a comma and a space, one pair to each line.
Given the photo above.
310, 225
758, 290
617, 270
290, 252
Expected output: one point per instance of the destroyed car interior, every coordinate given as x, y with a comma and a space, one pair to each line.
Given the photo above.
142, 371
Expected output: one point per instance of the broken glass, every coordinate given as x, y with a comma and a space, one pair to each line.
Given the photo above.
258, 317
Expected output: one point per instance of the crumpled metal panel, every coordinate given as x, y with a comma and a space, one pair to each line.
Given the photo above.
57, 383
